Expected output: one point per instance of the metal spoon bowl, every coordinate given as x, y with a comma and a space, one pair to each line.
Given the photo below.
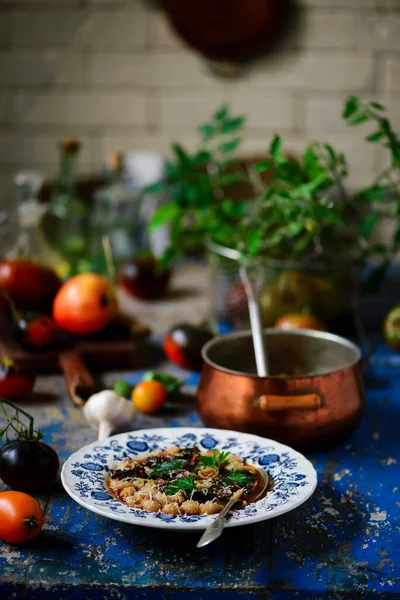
214, 530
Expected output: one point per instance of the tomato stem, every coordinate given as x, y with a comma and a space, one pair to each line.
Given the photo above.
31, 523
29, 434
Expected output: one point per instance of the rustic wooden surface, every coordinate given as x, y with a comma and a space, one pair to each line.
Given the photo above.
343, 543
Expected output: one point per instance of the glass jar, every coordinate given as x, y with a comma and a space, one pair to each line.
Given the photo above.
329, 292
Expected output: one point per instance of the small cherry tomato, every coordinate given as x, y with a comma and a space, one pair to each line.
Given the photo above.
149, 396
300, 321
35, 330
21, 518
15, 383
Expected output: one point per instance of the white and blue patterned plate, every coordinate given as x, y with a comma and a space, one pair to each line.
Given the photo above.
83, 475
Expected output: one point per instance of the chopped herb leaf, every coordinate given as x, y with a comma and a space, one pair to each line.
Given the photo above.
180, 485
166, 467
241, 478
216, 460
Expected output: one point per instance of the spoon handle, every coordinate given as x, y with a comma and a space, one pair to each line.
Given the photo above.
215, 528
252, 278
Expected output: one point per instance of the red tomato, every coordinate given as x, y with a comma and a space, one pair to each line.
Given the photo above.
149, 396
85, 304
21, 518
30, 285
15, 383
35, 330
300, 321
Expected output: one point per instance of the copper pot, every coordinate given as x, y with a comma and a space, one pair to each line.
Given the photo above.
312, 398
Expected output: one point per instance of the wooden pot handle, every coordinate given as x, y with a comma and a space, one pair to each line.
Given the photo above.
78, 380
273, 403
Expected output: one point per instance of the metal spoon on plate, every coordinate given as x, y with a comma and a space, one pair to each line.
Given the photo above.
214, 530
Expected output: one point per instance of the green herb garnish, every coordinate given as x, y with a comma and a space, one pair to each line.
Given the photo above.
216, 460
167, 467
171, 384
241, 478
180, 485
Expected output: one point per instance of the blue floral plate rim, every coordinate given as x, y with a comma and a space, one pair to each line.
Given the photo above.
84, 473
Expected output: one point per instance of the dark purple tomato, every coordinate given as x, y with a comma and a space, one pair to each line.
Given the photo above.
26, 466
140, 278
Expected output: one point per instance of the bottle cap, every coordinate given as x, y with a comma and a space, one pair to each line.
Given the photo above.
116, 161
70, 145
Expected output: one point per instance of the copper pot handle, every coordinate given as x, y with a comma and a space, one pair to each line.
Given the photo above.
273, 403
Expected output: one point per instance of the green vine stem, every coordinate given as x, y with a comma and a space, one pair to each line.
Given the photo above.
27, 434
14, 312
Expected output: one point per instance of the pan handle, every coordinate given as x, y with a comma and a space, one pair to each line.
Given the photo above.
273, 403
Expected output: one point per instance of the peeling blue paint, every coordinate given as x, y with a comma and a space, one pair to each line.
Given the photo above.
343, 543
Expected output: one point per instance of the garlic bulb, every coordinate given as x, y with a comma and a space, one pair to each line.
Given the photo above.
107, 411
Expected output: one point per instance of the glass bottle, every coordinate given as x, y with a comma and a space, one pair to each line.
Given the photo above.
67, 223
9, 230
115, 216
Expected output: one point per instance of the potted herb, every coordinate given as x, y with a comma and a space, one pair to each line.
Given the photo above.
311, 234
197, 187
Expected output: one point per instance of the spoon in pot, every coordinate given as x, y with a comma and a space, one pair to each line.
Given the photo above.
214, 530
252, 278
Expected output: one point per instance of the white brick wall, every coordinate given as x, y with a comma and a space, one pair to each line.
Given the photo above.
114, 73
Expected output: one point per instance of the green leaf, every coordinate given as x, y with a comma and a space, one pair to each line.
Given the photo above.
202, 157
375, 137
230, 146
171, 384
294, 229
377, 106
156, 188
221, 113
363, 118
275, 146
331, 152
351, 106
207, 131
373, 194
310, 159
263, 166
167, 466
164, 214
180, 485
232, 125
254, 242
241, 478
367, 226
181, 154
230, 179
216, 460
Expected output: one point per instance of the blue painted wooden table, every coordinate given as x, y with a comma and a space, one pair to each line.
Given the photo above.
343, 543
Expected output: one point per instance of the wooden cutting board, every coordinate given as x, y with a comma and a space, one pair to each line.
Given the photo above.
120, 346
